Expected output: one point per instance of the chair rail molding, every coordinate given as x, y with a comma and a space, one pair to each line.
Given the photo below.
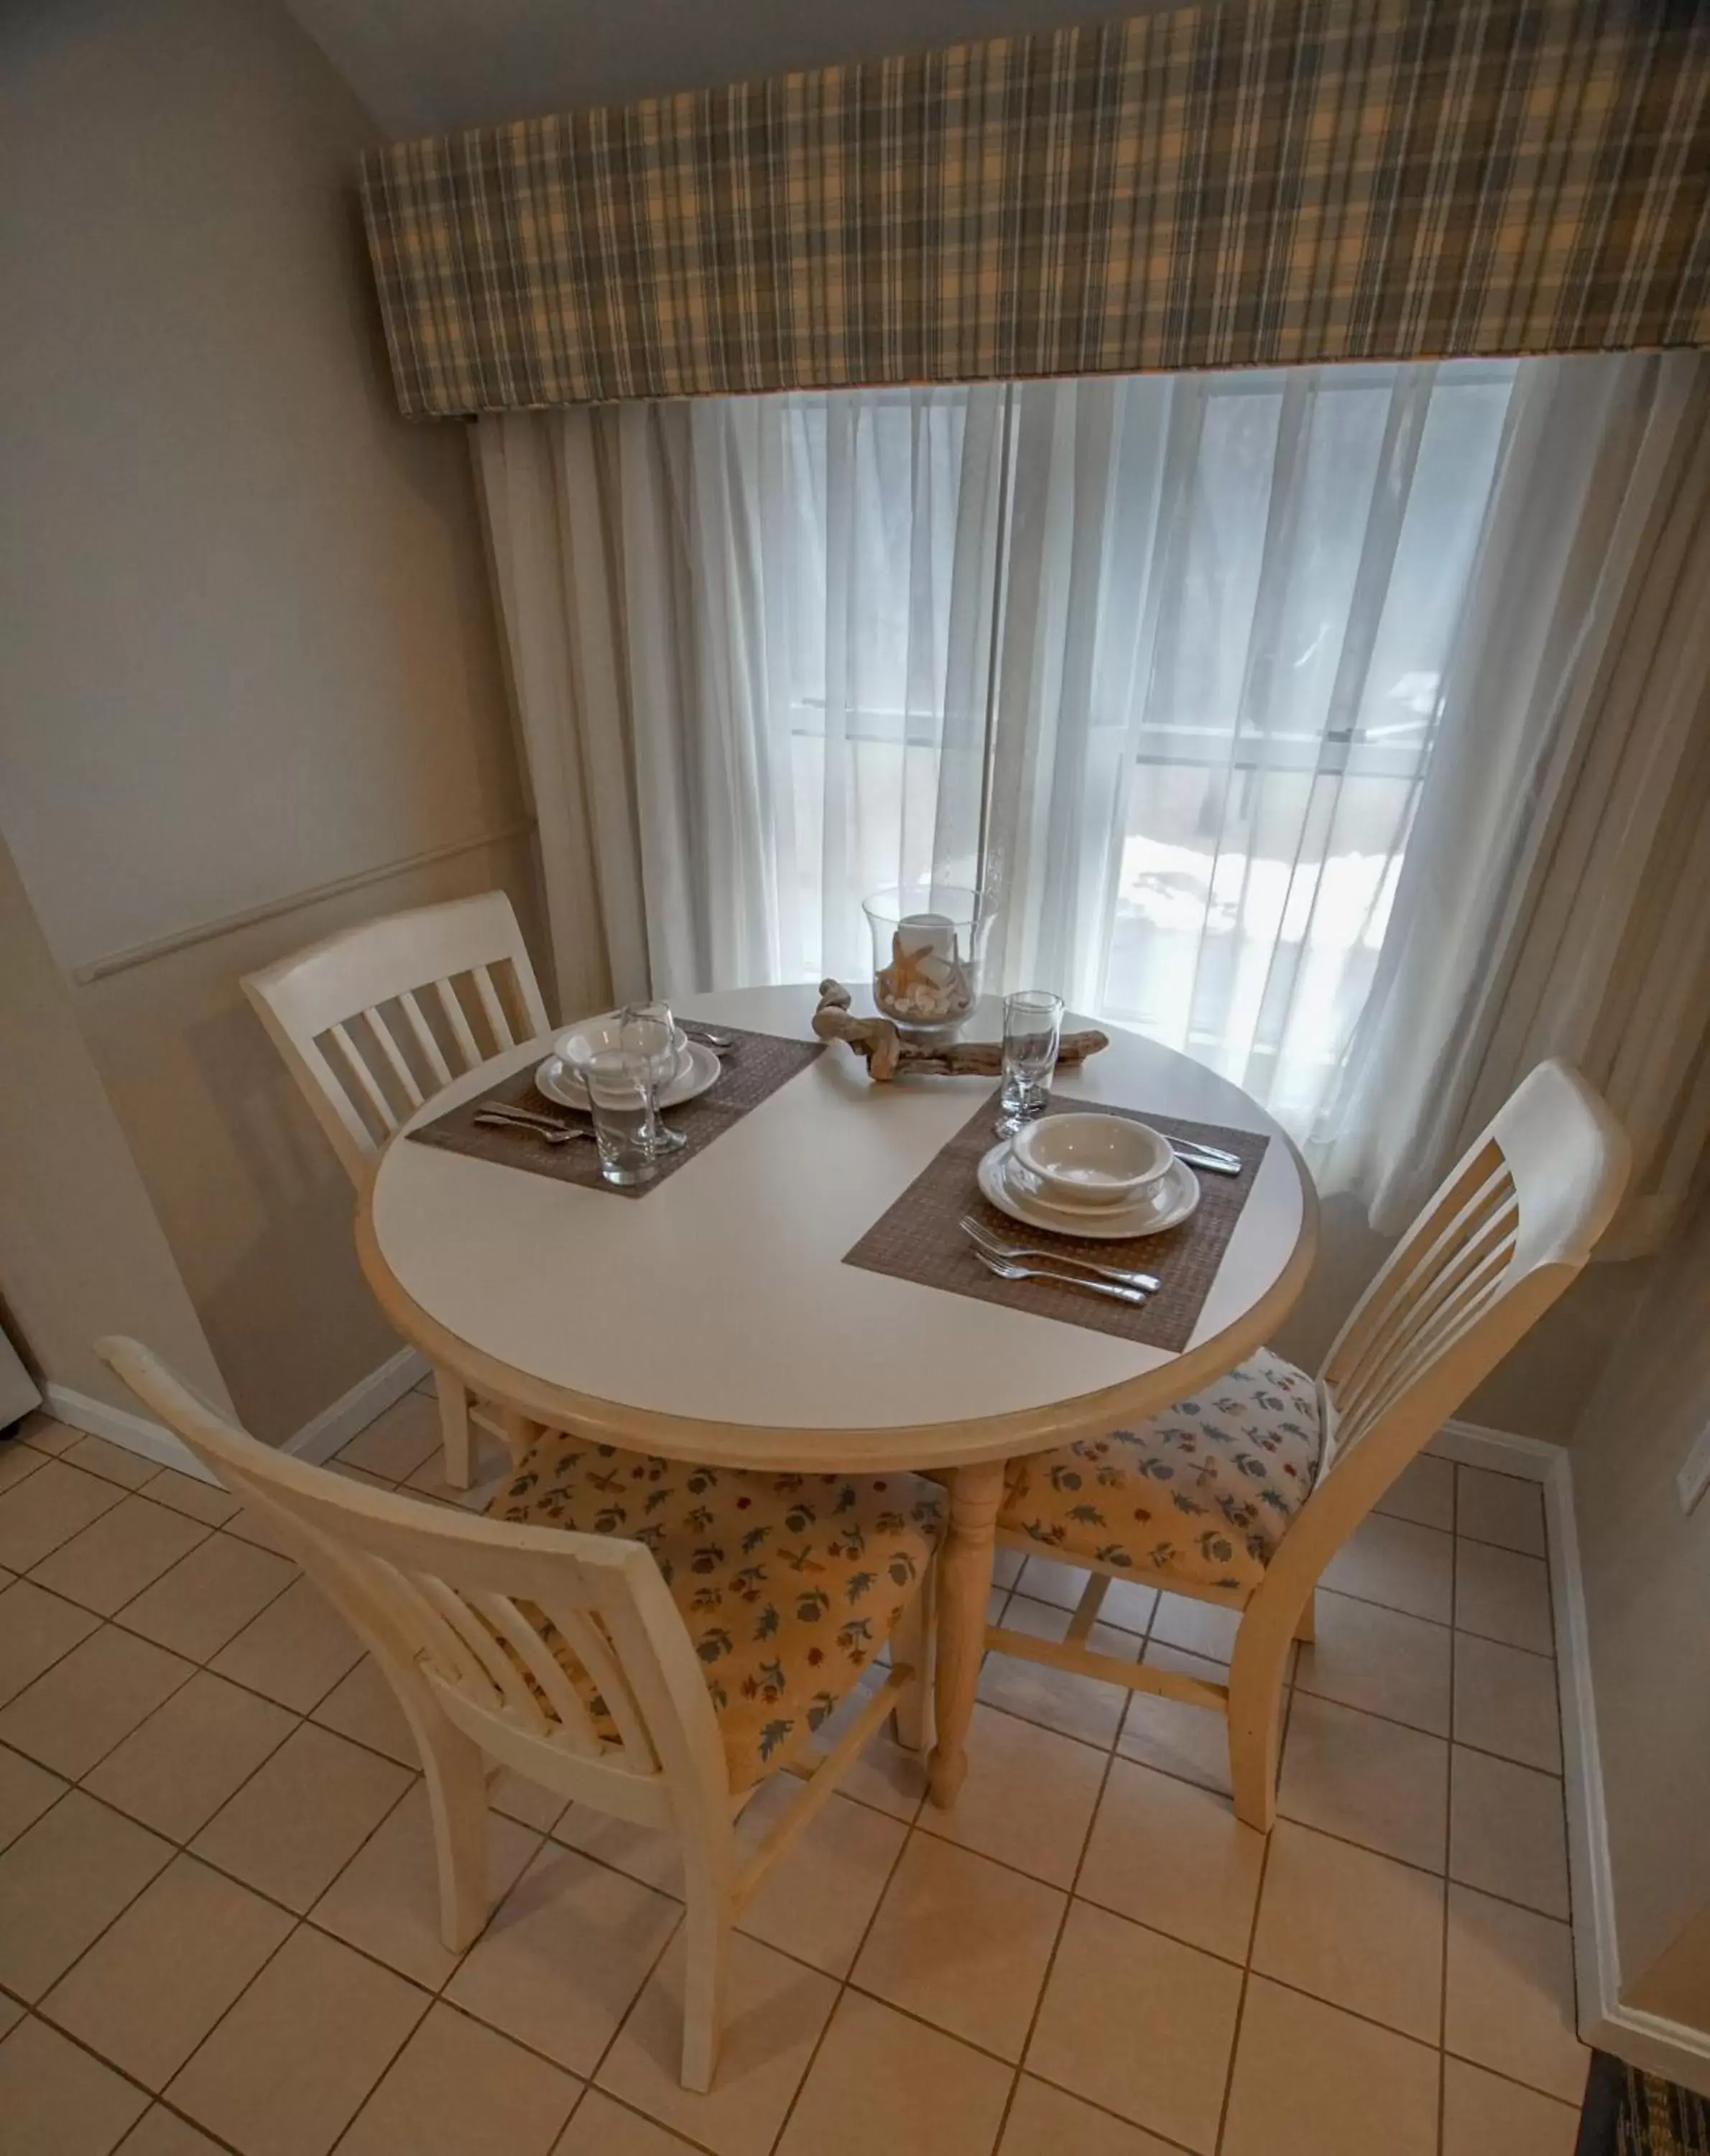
228, 924
1674, 2049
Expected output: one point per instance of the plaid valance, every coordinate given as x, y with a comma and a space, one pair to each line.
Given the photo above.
1266, 181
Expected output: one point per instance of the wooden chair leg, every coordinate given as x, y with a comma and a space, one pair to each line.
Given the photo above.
1307, 1630
454, 1428
911, 1643
706, 1956
457, 1801
1255, 1720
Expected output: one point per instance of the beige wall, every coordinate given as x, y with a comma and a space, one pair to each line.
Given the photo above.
1646, 1566
81, 1251
248, 647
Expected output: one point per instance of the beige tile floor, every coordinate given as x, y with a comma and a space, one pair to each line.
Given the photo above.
217, 1929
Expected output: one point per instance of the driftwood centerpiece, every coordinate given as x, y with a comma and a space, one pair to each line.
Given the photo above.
886, 1052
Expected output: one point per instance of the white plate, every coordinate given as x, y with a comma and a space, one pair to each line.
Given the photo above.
700, 1076
1177, 1196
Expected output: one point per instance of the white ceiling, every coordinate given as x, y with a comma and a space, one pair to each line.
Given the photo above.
425, 67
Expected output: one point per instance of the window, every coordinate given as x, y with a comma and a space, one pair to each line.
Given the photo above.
1160, 660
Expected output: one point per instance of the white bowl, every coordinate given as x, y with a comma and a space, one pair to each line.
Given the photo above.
1091, 1160
577, 1042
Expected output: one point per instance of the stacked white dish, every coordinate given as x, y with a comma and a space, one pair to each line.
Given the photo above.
696, 1073
1106, 1177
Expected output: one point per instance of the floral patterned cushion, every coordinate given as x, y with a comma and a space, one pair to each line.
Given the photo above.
789, 1584
1204, 1490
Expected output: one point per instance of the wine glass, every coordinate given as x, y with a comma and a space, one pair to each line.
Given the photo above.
1033, 1025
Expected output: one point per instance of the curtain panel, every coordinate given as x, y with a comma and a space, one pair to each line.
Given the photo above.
1276, 182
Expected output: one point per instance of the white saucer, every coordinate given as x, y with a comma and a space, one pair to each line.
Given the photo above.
1176, 1197
699, 1075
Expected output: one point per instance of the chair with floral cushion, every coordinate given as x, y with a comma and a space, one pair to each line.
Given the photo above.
378, 1018
651, 1639
1241, 1494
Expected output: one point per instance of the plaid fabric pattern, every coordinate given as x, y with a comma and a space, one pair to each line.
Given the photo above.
1268, 183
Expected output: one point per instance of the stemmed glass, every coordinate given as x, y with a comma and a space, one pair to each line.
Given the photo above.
1033, 1025
647, 1035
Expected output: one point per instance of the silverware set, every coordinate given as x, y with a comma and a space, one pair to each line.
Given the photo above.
507, 1116
1209, 1160
1023, 1261
1006, 1261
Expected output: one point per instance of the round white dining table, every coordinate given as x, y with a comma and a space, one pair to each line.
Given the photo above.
712, 1319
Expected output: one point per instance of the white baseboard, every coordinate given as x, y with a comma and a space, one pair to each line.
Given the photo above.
318, 1439
134, 1433
352, 1411
1672, 2048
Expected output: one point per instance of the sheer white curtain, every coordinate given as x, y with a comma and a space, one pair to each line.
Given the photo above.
1154, 660
1188, 672
1553, 898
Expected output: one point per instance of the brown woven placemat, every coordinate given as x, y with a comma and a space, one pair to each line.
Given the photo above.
761, 1063
919, 1239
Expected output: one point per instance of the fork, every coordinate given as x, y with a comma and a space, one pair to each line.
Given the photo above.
1148, 1283
515, 1113
1009, 1272
554, 1133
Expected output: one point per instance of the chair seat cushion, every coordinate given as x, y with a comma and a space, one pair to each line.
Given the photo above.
790, 1585
1202, 1492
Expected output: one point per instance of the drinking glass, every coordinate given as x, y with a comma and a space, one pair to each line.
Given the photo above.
622, 1099
647, 1034
1032, 1022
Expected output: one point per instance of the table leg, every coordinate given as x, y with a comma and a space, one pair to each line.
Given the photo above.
964, 1591
519, 1432
454, 1428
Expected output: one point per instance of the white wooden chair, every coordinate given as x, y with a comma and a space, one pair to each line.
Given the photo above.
566, 1657
374, 1021
1243, 1495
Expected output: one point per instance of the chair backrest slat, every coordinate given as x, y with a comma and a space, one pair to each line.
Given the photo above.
543, 1667
468, 1607
433, 1638
364, 1079
376, 1020
1475, 1244
516, 1703
603, 1666
386, 1042
1377, 1315
1510, 1227
492, 1007
431, 1053
459, 1025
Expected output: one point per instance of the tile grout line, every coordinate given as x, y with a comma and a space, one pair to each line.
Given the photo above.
112, 2066
1448, 1828
911, 1826
101, 1480
1253, 1929
846, 1983
182, 1848
1068, 1903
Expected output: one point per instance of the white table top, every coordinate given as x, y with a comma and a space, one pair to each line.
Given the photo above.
714, 1318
